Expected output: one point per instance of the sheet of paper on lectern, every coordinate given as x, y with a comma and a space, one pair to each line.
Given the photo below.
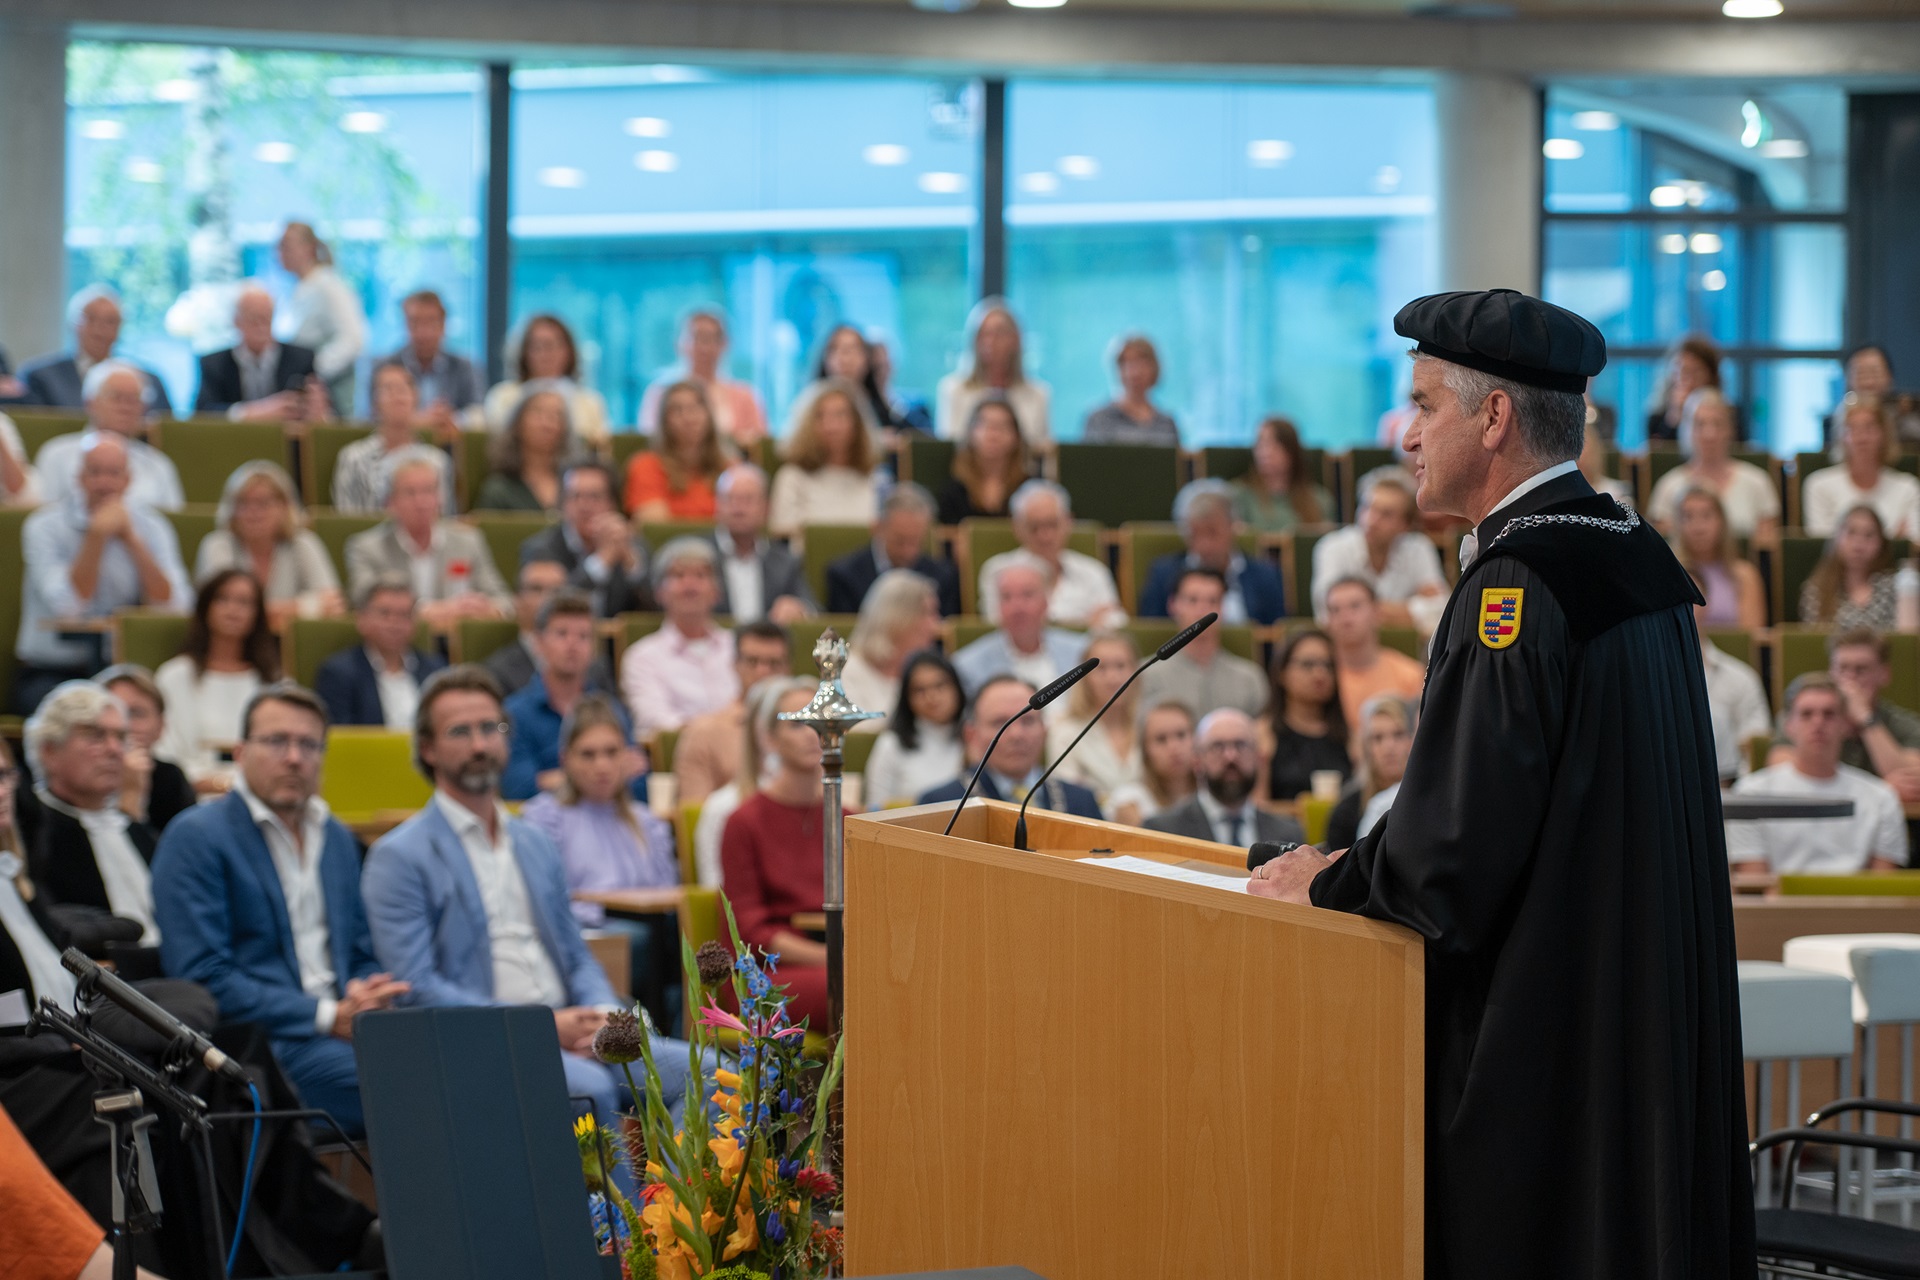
1233, 883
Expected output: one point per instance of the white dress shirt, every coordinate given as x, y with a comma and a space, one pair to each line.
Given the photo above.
1738, 705
256, 371
1083, 591
523, 972
50, 979
1413, 563
1470, 544
123, 871
399, 693
421, 566
745, 578
299, 870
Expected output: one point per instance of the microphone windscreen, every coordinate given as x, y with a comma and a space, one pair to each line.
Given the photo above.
1265, 851
1185, 638
1061, 685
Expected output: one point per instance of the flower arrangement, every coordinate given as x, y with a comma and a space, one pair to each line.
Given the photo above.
739, 1204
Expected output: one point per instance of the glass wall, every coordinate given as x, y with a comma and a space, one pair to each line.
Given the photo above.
1261, 235
184, 164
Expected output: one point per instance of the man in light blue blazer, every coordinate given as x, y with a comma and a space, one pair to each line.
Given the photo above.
1024, 646
260, 897
469, 905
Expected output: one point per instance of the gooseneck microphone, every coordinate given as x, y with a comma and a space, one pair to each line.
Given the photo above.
1040, 699
1265, 851
1165, 651
94, 978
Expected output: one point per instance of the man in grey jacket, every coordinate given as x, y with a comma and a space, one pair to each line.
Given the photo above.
452, 571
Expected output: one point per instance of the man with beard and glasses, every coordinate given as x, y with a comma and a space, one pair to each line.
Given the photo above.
1226, 758
468, 905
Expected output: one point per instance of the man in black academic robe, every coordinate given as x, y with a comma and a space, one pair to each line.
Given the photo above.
1557, 841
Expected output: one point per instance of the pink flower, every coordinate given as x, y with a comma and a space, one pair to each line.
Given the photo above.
713, 1016
789, 1031
816, 1183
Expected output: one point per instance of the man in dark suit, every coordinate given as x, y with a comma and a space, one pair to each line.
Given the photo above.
1204, 511
515, 665
1017, 762
758, 578
258, 898
899, 542
377, 682
257, 379
1226, 756
94, 314
601, 553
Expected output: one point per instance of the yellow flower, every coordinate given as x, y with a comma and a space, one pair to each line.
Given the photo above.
728, 1103
729, 1155
583, 1126
727, 1079
709, 1222
746, 1234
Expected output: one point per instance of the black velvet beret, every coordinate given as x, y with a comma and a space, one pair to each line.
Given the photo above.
1505, 333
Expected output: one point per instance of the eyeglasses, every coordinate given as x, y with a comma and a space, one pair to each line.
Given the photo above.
9, 777
485, 731
1311, 664
280, 743
93, 735
1240, 747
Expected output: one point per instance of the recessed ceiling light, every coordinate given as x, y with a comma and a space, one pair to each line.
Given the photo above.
939, 183
1269, 153
103, 130
1039, 184
275, 153
363, 122
561, 175
1666, 196
175, 91
885, 154
1753, 8
1784, 149
1078, 166
1596, 121
1036, 4
1562, 149
656, 161
1675, 243
141, 169
1705, 242
1385, 179
648, 127
1714, 281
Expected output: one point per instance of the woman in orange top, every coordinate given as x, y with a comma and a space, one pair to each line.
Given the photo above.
674, 480
44, 1235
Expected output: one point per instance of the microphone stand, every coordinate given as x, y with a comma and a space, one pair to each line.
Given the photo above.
1040, 698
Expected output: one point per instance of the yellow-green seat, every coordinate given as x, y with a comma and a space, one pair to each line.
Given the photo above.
1298, 571
370, 771
660, 750
806, 632
629, 627
1114, 483
622, 447
1795, 560
1759, 747
191, 524
1801, 650
206, 453
857, 751
12, 574
1352, 465
38, 424
1735, 643
967, 628
1149, 634
927, 462
660, 532
1225, 462
470, 458
333, 528
683, 843
504, 532
320, 457
702, 921
982, 539
308, 642
1405, 639
826, 543
1901, 884
477, 639
148, 637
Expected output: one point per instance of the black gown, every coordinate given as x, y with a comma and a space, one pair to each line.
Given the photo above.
1557, 840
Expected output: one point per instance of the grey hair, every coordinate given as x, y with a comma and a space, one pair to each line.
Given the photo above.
1553, 424
683, 549
910, 498
895, 598
96, 380
729, 477
77, 305
67, 707
405, 457
1031, 489
1198, 497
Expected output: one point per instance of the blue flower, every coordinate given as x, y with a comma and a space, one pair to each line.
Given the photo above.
786, 1101
788, 1167
776, 1229
773, 962
740, 1136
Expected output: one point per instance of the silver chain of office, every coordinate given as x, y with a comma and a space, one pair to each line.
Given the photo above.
1627, 525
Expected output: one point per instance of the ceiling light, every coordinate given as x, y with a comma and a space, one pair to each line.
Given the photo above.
175, 91
363, 122
1596, 121
1784, 149
945, 6
1714, 281
1705, 242
1562, 149
939, 183
885, 154
144, 170
1386, 179
656, 162
1666, 196
1269, 153
647, 127
1752, 8
275, 153
103, 130
1755, 130
1675, 243
1078, 166
1039, 184
1036, 4
560, 175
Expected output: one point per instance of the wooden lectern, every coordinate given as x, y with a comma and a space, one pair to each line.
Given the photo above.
1096, 1073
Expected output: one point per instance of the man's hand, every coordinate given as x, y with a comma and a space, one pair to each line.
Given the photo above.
1858, 700
274, 408
1288, 875
1906, 782
613, 540
577, 1027
110, 520
549, 779
787, 610
375, 991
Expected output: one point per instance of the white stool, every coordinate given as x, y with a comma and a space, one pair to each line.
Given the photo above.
1789, 1014
1885, 971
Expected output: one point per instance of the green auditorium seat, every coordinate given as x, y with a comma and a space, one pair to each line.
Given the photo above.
1143, 542
828, 542
806, 633
504, 532
660, 532
12, 574
1795, 561
471, 465
308, 642
1351, 466
148, 637
206, 453
1114, 483
191, 524
982, 539
333, 530
477, 639
623, 446
927, 462
1800, 650
1149, 634
320, 456
38, 424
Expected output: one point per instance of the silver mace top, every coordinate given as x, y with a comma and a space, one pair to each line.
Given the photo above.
831, 713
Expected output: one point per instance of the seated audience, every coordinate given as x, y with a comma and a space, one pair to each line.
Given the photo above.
449, 383
1081, 590
1865, 476
448, 561
901, 616
1278, 493
608, 840
258, 379
360, 473
1873, 837
736, 411
152, 790
566, 644
920, 747
1869, 372
900, 538
86, 556
324, 313
1704, 544
1365, 667
599, 549
1852, 586
1134, 418
1204, 677
831, 471
377, 682
1166, 775
1736, 700
59, 380
1305, 731
758, 578
19, 480
298, 962
1227, 763
513, 665
115, 407
83, 850
674, 480
1109, 757
230, 652
542, 350
1024, 645
1747, 494
990, 461
685, 669
1593, 461
1387, 548
516, 941
1692, 364
1019, 759
1384, 728
707, 755
846, 362
994, 366
261, 527
1879, 737
530, 455
770, 851
1204, 512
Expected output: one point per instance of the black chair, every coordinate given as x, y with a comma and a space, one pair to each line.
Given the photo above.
1799, 1242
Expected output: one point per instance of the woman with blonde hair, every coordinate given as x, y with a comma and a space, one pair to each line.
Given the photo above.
989, 464
1853, 585
261, 527
542, 350
1865, 476
674, 480
1747, 494
1704, 545
1278, 493
1109, 757
899, 617
1386, 737
1165, 777
995, 363
829, 476
528, 457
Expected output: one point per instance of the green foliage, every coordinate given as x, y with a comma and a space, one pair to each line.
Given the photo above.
739, 1272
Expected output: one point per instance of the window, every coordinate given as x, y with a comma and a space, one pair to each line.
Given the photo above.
1261, 235
1672, 209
